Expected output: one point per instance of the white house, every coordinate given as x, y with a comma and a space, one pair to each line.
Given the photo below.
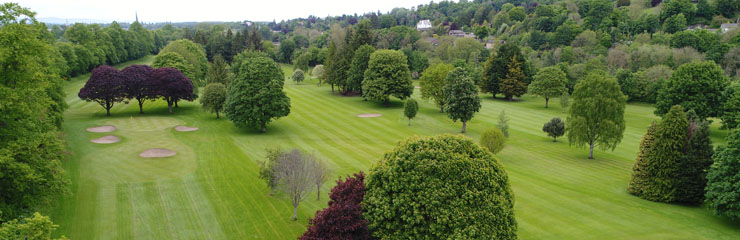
728, 26
424, 25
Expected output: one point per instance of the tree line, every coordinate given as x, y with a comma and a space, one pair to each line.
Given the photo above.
31, 149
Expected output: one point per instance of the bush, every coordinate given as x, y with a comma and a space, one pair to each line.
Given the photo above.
441, 187
554, 128
493, 140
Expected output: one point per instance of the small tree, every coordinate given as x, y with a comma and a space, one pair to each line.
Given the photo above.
172, 85
722, 188
213, 98
554, 128
319, 72
564, 101
387, 75
514, 85
640, 172
138, 84
503, 123
256, 95
455, 170
298, 76
319, 173
294, 176
549, 83
267, 168
493, 140
461, 97
432, 82
342, 219
106, 86
218, 71
410, 108
596, 116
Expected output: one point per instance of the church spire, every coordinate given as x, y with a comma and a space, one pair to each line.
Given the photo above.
137, 16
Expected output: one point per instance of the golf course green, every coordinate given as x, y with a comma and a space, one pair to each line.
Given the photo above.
210, 189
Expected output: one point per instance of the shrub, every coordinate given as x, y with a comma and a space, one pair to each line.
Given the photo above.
493, 140
298, 76
342, 219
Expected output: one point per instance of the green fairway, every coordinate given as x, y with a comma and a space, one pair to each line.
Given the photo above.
210, 189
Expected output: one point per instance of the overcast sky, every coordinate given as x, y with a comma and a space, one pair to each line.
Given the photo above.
206, 10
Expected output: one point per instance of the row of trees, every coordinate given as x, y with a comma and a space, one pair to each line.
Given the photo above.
107, 86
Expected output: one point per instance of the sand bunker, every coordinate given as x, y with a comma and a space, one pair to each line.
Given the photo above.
106, 128
185, 129
106, 139
369, 115
157, 153
417, 87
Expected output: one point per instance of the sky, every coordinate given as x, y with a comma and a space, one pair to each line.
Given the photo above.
206, 10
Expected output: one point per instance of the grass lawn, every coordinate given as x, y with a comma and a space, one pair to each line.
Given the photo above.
210, 189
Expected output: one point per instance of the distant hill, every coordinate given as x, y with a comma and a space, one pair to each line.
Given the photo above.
55, 20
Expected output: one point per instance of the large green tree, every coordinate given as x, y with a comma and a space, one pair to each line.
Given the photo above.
673, 160
432, 82
256, 95
596, 116
464, 192
549, 82
722, 188
461, 97
387, 75
514, 85
695, 86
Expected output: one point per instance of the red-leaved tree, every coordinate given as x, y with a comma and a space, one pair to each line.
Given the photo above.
138, 84
105, 86
342, 219
171, 85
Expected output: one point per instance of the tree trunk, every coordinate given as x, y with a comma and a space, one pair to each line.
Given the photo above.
464, 126
332, 88
107, 109
555, 139
264, 128
295, 212
176, 103
318, 192
169, 105
441, 108
409, 121
217, 114
591, 151
546, 101
141, 105
272, 191
386, 102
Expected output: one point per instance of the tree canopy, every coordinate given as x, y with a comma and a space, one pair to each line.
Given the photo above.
106, 86
695, 86
255, 96
387, 75
548, 83
465, 193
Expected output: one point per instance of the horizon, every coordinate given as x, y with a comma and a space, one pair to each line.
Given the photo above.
88, 11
